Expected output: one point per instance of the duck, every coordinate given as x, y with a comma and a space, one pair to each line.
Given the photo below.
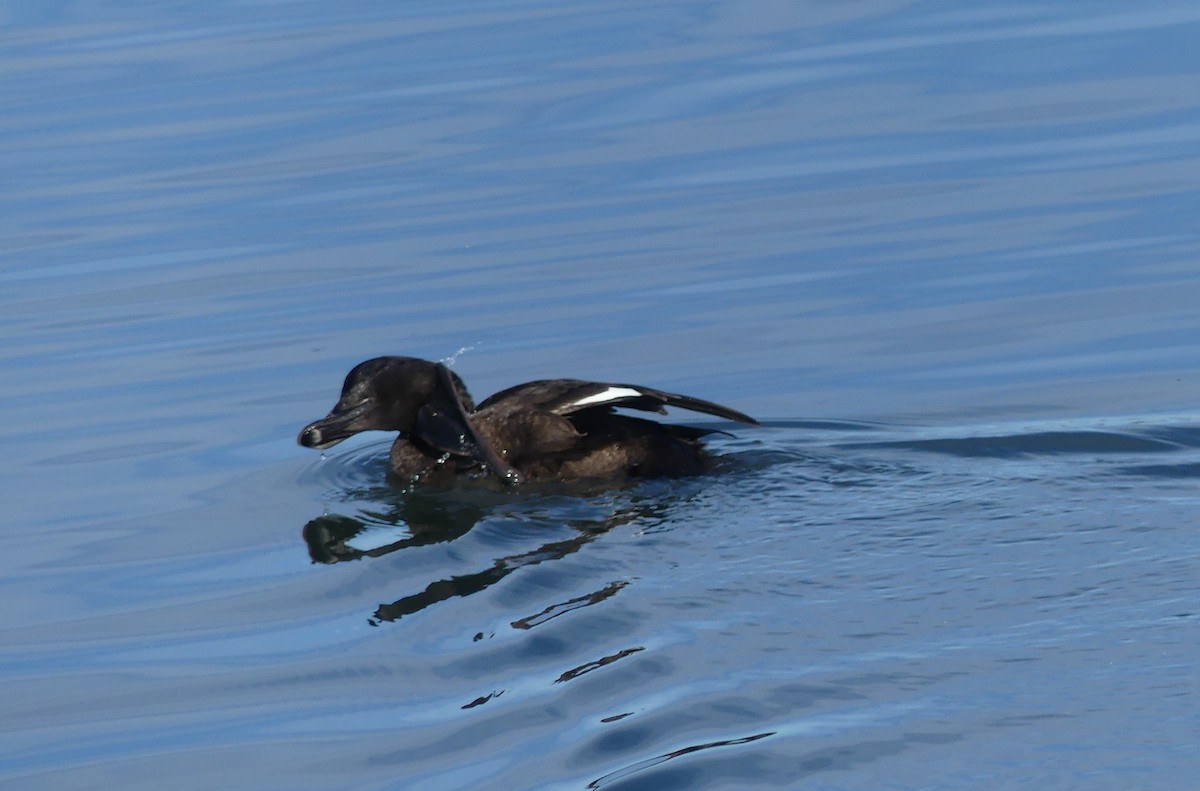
548, 429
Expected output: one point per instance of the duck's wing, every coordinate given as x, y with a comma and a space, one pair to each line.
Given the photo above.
442, 424
567, 396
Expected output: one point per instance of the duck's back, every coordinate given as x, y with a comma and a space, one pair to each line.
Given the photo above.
565, 429
615, 446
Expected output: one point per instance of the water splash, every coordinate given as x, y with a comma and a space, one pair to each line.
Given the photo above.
453, 358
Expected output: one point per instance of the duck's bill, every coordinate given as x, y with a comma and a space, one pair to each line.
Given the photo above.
330, 430
322, 434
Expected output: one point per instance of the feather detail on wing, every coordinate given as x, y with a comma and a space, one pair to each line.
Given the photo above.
566, 396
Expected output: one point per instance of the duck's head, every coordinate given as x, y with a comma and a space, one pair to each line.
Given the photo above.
425, 401
388, 394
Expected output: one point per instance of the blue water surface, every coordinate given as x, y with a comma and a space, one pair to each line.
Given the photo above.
946, 252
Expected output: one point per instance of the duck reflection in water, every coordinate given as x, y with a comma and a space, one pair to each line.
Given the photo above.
430, 515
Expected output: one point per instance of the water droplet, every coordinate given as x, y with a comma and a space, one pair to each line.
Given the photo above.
452, 359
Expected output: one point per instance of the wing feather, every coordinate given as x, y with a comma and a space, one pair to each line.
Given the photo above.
566, 396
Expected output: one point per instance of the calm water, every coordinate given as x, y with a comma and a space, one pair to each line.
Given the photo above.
948, 253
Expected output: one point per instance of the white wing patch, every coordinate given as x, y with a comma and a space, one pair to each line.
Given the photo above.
606, 395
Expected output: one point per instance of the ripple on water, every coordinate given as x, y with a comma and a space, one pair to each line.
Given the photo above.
897, 564
349, 470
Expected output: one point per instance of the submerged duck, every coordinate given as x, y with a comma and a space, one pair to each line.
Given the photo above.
550, 429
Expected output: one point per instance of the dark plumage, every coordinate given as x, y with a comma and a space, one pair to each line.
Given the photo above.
556, 429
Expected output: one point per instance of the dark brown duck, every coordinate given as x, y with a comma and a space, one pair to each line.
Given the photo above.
550, 429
